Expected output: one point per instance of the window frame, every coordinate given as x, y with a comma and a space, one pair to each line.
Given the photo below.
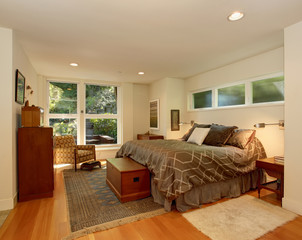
64, 115
204, 90
248, 94
104, 116
80, 116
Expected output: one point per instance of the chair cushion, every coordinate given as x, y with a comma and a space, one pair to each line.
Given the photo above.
64, 141
83, 153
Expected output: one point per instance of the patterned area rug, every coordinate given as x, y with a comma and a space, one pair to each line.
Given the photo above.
92, 206
243, 218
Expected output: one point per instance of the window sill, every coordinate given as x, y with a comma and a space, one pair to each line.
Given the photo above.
256, 105
108, 147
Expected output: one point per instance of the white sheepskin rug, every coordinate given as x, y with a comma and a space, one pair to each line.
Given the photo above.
243, 218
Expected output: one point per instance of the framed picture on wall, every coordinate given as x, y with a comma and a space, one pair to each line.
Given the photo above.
20, 87
154, 114
174, 120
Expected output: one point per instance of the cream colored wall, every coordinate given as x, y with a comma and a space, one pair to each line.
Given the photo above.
6, 120
12, 57
266, 63
140, 109
175, 100
171, 95
21, 62
293, 116
127, 116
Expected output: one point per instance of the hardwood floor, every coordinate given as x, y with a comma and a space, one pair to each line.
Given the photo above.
47, 219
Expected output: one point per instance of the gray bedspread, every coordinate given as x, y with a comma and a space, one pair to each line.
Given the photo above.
178, 166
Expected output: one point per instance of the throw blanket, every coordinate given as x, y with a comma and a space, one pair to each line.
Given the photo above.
178, 166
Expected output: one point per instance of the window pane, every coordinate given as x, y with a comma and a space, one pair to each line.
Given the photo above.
62, 98
202, 99
101, 99
234, 95
268, 90
101, 131
64, 126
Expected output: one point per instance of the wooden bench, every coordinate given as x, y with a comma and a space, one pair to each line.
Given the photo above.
128, 179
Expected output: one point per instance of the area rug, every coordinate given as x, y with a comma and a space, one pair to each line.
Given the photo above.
92, 206
3, 216
243, 218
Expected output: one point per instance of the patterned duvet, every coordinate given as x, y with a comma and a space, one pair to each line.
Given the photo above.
177, 166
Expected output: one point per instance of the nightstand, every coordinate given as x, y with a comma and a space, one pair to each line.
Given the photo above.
149, 137
275, 170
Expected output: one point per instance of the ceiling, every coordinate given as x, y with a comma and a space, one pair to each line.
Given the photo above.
113, 40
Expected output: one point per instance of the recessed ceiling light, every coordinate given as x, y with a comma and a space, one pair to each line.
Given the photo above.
235, 16
140, 73
74, 64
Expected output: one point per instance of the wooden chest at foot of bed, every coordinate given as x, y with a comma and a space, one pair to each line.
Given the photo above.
128, 179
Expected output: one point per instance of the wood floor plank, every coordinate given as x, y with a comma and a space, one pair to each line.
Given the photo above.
48, 219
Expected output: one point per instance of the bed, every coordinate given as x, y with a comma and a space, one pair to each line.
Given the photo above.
190, 174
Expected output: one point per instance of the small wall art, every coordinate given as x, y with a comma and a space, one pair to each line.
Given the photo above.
20, 87
175, 120
154, 114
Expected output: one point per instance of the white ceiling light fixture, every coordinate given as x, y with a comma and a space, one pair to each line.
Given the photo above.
140, 73
74, 64
234, 16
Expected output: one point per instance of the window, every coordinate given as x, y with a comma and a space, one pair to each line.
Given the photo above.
229, 96
62, 98
100, 122
268, 90
101, 114
202, 99
63, 108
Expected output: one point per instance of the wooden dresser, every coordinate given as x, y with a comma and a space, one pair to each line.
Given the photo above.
35, 163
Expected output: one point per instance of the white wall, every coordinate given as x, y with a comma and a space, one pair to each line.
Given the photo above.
171, 95
21, 62
293, 116
12, 57
266, 63
6, 123
140, 109
127, 116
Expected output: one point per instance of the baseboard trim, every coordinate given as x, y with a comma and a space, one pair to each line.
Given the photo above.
292, 205
6, 204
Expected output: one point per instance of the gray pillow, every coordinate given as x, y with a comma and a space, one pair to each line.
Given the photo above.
241, 138
195, 125
219, 134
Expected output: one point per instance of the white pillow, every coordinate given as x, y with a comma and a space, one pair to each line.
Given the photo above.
198, 135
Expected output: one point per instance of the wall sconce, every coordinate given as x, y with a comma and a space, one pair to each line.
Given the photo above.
183, 123
262, 125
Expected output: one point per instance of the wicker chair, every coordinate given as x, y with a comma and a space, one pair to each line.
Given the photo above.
66, 151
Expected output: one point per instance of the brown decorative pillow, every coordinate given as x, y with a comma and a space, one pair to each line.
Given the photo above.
195, 125
219, 134
241, 138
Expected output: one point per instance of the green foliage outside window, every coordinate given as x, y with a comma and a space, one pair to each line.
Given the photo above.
63, 126
233, 95
202, 99
104, 126
62, 98
268, 90
101, 99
